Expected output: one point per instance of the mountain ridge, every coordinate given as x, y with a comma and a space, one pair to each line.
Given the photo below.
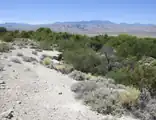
88, 27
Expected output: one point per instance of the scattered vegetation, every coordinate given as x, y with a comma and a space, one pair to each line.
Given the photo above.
77, 75
129, 60
4, 47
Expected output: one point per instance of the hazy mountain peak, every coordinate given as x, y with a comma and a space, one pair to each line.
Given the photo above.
89, 27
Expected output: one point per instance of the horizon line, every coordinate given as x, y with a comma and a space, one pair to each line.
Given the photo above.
43, 23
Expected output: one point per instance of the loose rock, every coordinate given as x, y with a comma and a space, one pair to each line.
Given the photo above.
16, 60
34, 52
8, 114
60, 93
1, 67
58, 57
19, 102
2, 82
29, 59
19, 54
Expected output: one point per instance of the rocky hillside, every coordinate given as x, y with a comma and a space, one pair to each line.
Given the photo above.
34, 85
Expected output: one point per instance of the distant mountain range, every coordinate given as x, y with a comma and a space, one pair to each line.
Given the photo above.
92, 27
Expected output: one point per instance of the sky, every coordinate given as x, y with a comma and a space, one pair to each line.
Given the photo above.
50, 11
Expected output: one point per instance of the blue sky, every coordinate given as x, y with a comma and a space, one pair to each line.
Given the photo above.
49, 11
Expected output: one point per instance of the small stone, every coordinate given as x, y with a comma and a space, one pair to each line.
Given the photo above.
36, 91
15, 60
57, 57
27, 69
29, 59
1, 67
9, 65
8, 114
34, 63
19, 54
60, 93
25, 112
2, 87
19, 102
5, 57
2, 82
34, 52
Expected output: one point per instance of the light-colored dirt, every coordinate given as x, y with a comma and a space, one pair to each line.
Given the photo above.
35, 92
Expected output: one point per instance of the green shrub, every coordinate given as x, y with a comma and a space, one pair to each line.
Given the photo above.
3, 30
46, 61
25, 34
90, 61
142, 76
45, 45
4, 47
7, 38
120, 76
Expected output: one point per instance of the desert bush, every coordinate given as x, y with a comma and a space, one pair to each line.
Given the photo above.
77, 75
146, 106
107, 98
90, 61
81, 88
141, 76
19, 54
2, 66
63, 68
45, 45
130, 96
7, 38
104, 101
29, 59
4, 47
100, 96
25, 34
16, 60
46, 61
89, 76
120, 76
34, 52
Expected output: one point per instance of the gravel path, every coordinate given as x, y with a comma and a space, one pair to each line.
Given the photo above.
34, 92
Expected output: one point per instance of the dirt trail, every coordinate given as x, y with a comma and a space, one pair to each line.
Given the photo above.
35, 92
